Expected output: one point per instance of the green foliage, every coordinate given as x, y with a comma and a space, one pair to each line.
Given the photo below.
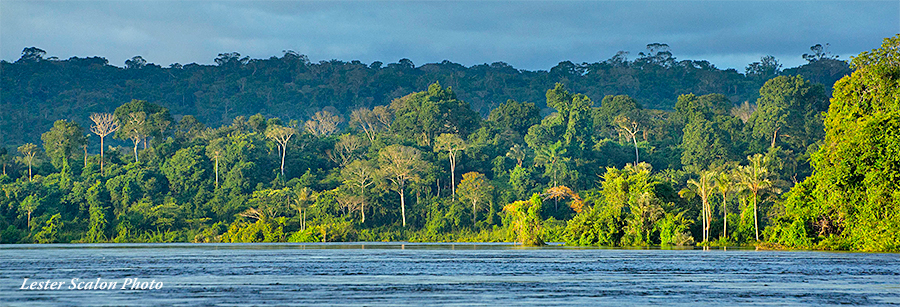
852, 199
789, 113
674, 230
49, 233
63, 144
524, 219
263, 179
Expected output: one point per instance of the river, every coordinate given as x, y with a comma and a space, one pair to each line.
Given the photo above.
406, 274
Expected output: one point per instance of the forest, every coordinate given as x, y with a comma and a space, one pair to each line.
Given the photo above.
644, 152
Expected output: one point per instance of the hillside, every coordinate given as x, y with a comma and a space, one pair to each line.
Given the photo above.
35, 91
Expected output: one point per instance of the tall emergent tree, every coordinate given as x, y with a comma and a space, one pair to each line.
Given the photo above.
214, 150
281, 135
63, 143
136, 130
360, 174
104, 124
474, 188
400, 165
632, 127
789, 109
29, 150
453, 145
323, 123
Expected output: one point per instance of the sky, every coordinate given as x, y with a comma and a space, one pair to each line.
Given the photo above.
532, 35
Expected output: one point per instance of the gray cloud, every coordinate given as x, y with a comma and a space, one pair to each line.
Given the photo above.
526, 34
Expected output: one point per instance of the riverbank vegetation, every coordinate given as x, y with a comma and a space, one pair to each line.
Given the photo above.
786, 168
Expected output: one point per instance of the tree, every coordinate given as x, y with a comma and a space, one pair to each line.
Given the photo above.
28, 205
424, 115
104, 124
515, 116
703, 187
323, 123
48, 233
400, 165
32, 55
151, 123
706, 138
610, 108
632, 127
525, 216
518, 153
474, 188
346, 150
300, 199
4, 158
29, 151
371, 121
790, 107
755, 178
63, 143
280, 135
360, 174
136, 130
214, 150
725, 184
452, 144
819, 53
851, 200
767, 68
136, 62
553, 158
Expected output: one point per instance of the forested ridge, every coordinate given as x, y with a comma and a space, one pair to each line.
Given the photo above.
443, 152
38, 89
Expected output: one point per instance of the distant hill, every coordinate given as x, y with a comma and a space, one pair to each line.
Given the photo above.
35, 91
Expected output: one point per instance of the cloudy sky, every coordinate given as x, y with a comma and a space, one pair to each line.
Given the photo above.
526, 34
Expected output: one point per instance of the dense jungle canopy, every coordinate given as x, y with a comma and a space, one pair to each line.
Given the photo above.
650, 151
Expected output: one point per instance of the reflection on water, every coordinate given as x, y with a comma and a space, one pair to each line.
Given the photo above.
445, 274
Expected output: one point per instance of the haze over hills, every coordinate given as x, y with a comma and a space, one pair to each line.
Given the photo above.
37, 90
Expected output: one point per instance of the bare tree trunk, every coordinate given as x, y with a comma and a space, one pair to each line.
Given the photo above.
725, 213
636, 156
453, 174
473, 213
755, 219
362, 204
703, 212
217, 171
283, 152
135, 152
101, 156
774, 136
30, 178
402, 207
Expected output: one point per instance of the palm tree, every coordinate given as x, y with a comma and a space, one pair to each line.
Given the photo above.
704, 187
755, 178
553, 159
517, 152
299, 200
725, 184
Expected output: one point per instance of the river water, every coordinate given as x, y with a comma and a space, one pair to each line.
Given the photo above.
398, 274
